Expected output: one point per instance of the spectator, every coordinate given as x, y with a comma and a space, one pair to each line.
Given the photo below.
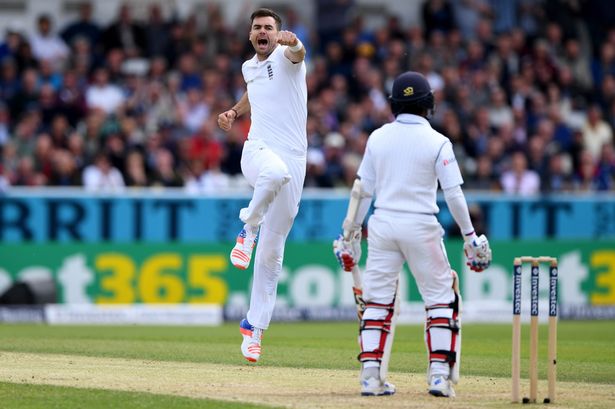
500, 112
605, 170
65, 171
596, 132
437, 15
192, 111
82, 29
585, 177
203, 180
165, 174
157, 33
102, 95
519, 180
136, 175
101, 176
557, 178
46, 45
4, 181
124, 34
12, 41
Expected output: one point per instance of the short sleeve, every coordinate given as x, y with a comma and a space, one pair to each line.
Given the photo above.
447, 168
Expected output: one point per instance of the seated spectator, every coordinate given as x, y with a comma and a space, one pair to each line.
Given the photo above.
5, 183
585, 177
136, 175
46, 45
124, 33
557, 177
596, 132
102, 177
519, 180
65, 171
84, 27
102, 95
605, 170
192, 110
203, 180
164, 172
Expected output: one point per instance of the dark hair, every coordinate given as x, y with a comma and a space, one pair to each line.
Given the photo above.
267, 13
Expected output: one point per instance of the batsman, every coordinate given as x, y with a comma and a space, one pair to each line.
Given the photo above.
403, 163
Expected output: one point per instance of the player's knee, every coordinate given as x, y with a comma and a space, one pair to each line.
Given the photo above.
277, 176
374, 313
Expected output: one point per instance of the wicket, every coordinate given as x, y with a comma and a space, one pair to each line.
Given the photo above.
516, 328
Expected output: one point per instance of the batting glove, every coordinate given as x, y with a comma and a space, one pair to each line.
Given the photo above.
478, 253
347, 252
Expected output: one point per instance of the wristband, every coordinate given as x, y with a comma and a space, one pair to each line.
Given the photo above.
236, 113
297, 47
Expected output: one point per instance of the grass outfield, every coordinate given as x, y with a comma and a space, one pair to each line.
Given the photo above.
186, 367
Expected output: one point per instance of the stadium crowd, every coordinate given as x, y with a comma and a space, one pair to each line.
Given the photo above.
525, 90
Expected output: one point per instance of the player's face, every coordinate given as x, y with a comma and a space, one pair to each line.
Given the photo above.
263, 35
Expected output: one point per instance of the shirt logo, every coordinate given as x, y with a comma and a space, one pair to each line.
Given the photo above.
449, 161
408, 91
270, 71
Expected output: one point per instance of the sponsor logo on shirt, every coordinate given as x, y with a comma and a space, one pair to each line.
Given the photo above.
449, 161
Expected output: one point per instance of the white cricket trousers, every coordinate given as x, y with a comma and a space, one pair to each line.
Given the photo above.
396, 237
277, 177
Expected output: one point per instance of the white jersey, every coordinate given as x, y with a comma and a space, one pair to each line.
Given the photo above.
277, 92
403, 162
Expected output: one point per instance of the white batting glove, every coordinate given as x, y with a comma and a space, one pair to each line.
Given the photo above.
347, 252
478, 253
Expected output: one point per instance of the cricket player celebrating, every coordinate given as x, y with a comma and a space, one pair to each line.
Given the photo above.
403, 163
273, 161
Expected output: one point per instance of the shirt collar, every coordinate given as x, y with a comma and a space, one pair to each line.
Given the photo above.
254, 62
411, 119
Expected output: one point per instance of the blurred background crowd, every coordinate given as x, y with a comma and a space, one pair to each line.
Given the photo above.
525, 89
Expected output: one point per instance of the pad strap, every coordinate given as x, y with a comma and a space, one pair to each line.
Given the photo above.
442, 355
446, 356
443, 322
381, 325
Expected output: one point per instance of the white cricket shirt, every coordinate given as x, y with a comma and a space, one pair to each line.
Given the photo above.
403, 162
277, 92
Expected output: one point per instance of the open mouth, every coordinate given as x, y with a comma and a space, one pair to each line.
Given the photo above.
262, 42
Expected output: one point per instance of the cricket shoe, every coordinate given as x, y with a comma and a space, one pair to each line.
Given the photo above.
242, 252
371, 385
441, 386
251, 344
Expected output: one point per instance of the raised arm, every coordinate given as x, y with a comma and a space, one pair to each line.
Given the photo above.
295, 51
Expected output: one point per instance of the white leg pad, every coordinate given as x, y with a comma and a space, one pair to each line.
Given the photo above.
443, 339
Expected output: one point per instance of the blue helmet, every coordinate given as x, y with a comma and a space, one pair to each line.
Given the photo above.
412, 93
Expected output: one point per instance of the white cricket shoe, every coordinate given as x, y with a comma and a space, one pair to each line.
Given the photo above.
242, 252
251, 344
371, 385
441, 386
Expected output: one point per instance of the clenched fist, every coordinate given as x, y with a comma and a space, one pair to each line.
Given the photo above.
226, 119
287, 38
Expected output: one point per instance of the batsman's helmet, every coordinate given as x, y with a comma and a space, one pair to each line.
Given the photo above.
412, 94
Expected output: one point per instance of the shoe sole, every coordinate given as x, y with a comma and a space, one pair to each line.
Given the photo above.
437, 393
377, 394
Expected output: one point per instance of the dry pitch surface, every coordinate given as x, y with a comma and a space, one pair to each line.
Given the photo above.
283, 387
